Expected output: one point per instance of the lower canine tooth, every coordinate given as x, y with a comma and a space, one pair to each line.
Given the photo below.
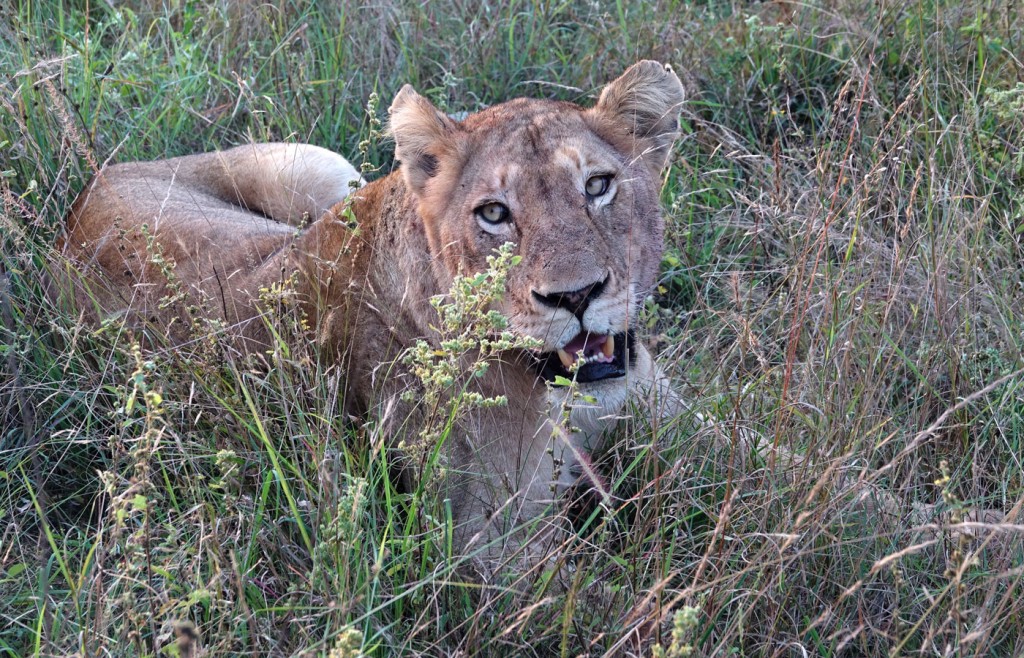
565, 358
609, 346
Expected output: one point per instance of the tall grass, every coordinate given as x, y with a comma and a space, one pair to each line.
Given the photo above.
842, 300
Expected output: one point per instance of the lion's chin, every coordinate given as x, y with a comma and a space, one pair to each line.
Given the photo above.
588, 358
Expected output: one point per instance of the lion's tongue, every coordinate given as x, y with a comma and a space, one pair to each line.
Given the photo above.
599, 348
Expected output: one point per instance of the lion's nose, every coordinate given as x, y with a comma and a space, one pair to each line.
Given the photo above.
574, 301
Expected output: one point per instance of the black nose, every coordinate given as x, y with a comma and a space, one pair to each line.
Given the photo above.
574, 301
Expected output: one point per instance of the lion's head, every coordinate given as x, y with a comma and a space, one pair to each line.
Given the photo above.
576, 190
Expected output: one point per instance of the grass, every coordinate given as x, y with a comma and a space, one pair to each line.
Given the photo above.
843, 282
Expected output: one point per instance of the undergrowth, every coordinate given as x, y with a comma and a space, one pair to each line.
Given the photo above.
841, 304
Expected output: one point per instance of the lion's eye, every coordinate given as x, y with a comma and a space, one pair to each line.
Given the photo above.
598, 185
493, 213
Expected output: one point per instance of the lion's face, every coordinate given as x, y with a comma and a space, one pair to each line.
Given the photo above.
576, 191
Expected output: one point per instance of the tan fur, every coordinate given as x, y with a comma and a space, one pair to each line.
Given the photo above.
227, 222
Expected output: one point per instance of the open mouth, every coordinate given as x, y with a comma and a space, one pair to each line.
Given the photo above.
593, 357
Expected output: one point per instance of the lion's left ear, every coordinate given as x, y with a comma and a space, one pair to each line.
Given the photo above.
645, 101
423, 136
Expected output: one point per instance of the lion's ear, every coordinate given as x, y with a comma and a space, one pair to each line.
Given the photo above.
645, 101
423, 135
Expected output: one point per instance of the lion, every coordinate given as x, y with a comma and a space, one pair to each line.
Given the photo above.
574, 190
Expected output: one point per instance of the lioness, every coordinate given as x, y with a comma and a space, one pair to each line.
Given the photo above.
575, 190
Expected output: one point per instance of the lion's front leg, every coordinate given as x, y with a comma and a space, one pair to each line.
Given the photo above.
509, 516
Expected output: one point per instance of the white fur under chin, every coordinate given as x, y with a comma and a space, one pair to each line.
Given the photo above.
590, 421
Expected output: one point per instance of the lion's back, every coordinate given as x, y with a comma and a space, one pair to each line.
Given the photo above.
201, 222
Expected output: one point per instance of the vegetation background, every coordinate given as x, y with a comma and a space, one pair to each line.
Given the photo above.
843, 283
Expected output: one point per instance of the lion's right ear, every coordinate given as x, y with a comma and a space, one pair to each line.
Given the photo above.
645, 102
423, 135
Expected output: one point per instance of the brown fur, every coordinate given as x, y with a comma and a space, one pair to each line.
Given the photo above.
226, 221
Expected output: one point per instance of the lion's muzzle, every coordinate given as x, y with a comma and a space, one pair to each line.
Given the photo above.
589, 358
